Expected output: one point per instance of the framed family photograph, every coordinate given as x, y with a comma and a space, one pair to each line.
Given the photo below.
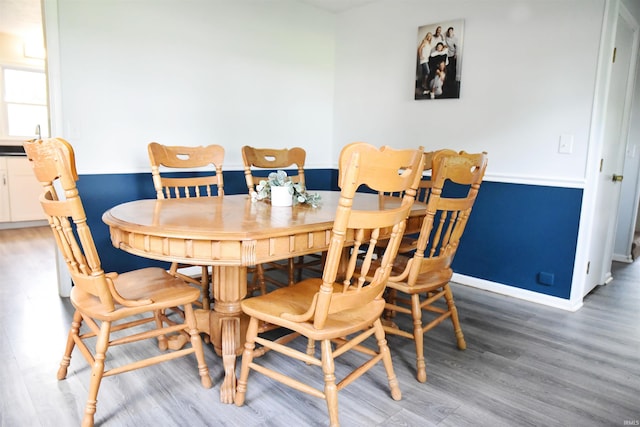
439, 60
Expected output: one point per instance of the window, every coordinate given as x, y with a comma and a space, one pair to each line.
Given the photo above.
25, 103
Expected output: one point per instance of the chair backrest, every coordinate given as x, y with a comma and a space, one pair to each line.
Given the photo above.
272, 159
383, 169
447, 215
54, 166
181, 158
424, 187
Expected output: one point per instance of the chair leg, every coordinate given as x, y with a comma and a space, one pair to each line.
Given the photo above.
448, 295
196, 343
396, 394
311, 347
391, 298
173, 269
291, 271
97, 371
418, 337
74, 331
204, 282
300, 268
163, 343
253, 284
262, 284
247, 358
330, 388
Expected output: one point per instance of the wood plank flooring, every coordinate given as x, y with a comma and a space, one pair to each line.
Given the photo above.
525, 365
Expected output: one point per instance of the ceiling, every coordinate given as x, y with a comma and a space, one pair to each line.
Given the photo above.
22, 17
336, 6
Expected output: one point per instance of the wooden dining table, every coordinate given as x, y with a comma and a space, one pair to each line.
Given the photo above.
230, 233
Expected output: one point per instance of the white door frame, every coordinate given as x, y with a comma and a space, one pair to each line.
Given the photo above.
626, 19
584, 276
51, 37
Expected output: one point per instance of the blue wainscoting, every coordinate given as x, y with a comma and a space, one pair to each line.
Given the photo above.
516, 232
518, 235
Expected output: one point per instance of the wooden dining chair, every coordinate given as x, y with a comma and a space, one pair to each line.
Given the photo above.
409, 242
420, 279
257, 163
107, 303
339, 312
166, 161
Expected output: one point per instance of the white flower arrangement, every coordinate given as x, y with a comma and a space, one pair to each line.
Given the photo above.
280, 179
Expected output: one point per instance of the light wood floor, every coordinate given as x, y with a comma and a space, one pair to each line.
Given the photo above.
525, 365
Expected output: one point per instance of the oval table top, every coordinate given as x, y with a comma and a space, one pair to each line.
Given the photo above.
229, 230
221, 218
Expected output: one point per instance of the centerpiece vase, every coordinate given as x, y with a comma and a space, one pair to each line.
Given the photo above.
280, 196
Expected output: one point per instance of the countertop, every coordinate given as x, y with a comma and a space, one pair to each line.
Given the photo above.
12, 150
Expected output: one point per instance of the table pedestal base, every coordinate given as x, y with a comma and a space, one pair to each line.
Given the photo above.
226, 325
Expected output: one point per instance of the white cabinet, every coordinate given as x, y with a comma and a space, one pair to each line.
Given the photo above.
5, 214
19, 192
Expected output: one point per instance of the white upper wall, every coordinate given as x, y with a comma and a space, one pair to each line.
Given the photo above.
194, 72
281, 73
527, 77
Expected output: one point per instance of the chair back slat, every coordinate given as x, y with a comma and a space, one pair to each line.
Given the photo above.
383, 169
53, 164
165, 158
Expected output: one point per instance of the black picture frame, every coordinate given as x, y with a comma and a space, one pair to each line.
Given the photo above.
439, 60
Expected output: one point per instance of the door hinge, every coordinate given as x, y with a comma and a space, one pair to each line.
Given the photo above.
601, 163
588, 265
615, 50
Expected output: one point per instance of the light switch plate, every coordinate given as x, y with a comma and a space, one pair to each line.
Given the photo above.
566, 144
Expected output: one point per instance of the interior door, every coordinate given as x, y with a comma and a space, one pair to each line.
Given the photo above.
630, 192
613, 151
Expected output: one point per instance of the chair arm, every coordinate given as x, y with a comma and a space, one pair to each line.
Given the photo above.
119, 298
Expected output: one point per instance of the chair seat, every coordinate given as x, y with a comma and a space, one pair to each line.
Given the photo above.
297, 299
152, 283
425, 282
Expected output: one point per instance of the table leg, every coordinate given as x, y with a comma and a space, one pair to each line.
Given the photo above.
228, 325
230, 339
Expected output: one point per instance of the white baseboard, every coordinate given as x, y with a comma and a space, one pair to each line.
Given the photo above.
523, 294
623, 258
23, 224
